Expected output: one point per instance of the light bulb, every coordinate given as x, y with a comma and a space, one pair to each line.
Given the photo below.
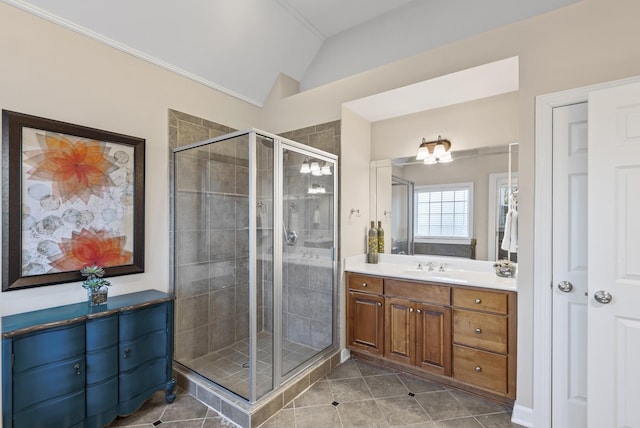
446, 158
439, 150
430, 160
326, 169
423, 152
305, 168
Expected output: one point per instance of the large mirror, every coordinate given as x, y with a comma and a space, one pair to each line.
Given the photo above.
465, 208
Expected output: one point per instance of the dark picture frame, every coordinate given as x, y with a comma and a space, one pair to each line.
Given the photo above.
71, 195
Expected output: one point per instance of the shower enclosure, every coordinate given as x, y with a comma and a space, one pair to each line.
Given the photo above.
254, 259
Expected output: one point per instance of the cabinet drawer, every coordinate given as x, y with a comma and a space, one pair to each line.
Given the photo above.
67, 411
480, 368
46, 382
418, 291
480, 330
368, 284
48, 346
142, 321
143, 349
147, 377
481, 300
102, 332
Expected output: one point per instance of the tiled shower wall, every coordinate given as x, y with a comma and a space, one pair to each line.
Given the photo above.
212, 290
211, 265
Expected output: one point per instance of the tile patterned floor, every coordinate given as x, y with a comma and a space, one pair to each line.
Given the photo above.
360, 394
354, 394
228, 368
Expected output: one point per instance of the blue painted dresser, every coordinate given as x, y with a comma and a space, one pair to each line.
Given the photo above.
81, 366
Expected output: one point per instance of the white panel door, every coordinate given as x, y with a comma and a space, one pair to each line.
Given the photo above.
614, 257
569, 370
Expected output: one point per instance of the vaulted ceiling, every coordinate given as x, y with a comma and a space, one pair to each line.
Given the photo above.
241, 46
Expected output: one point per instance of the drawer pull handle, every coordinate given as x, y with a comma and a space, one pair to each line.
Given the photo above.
77, 369
410, 309
364, 284
379, 304
478, 330
126, 353
478, 301
478, 369
418, 311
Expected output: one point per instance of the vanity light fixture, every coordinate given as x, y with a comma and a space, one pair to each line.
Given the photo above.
432, 152
305, 168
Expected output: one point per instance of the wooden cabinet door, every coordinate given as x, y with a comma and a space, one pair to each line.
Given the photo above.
433, 338
400, 330
366, 322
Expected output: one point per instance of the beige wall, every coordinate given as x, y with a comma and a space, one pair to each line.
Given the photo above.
55, 73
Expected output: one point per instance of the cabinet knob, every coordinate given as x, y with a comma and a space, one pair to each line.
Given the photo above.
379, 304
125, 354
77, 369
418, 311
478, 330
478, 301
364, 284
478, 369
410, 309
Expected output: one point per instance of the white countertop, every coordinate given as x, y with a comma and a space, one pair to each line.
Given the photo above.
457, 271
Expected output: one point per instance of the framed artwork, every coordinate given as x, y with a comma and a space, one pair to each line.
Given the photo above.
72, 196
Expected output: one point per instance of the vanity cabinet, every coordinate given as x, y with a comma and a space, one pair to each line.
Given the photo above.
67, 366
418, 325
459, 335
365, 330
484, 339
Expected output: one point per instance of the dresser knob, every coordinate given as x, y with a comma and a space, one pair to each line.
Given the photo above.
379, 304
418, 311
477, 301
126, 353
77, 369
478, 369
478, 330
364, 284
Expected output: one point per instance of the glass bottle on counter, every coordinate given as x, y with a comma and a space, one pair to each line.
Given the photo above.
372, 244
380, 238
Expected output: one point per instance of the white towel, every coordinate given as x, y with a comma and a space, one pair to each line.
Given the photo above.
510, 237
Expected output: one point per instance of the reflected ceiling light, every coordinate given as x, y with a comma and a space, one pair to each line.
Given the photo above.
305, 168
432, 152
315, 168
316, 188
326, 169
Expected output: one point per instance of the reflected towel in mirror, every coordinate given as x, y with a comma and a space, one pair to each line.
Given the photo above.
510, 238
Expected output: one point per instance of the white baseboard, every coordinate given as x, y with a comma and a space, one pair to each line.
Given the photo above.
345, 354
522, 416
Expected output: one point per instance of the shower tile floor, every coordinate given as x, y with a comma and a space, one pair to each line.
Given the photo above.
355, 393
229, 367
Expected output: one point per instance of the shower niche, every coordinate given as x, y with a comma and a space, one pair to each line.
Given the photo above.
254, 237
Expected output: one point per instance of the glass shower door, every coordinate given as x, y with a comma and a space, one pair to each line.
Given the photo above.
308, 215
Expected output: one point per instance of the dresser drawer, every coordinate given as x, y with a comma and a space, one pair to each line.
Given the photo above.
66, 411
48, 346
480, 330
364, 283
481, 300
142, 321
480, 368
418, 291
143, 349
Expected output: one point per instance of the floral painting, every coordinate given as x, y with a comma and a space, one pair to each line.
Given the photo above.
79, 197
